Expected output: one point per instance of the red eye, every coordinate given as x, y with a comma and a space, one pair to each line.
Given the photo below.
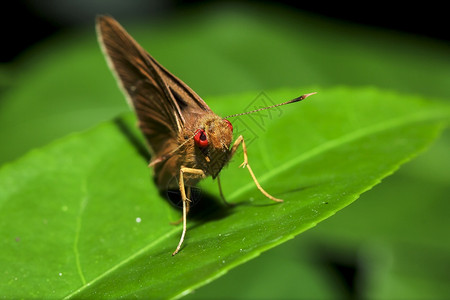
229, 125
200, 138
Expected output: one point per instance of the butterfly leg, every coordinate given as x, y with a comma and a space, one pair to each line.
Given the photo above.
188, 196
239, 141
185, 200
221, 193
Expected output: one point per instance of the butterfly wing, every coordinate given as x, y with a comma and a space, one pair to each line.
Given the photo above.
164, 104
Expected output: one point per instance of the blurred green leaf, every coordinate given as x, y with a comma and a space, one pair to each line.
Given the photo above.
401, 238
81, 216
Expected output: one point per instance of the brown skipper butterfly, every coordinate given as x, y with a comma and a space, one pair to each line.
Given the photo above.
187, 140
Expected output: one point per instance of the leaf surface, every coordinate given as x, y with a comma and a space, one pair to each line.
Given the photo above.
81, 217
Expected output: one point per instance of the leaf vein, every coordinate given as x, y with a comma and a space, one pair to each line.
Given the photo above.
124, 262
83, 203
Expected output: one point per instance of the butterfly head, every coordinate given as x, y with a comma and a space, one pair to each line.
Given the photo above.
215, 134
212, 140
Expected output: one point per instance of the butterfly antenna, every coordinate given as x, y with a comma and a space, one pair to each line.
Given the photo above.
302, 97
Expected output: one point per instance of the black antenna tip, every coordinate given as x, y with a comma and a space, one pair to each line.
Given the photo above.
302, 97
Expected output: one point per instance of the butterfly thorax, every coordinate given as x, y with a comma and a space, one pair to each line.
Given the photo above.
208, 144
205, 145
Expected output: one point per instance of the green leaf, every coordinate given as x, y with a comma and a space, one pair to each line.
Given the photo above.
81, 217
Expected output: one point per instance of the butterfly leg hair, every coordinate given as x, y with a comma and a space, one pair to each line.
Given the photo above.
185, 200
239, 141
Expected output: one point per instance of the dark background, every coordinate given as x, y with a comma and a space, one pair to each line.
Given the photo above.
26, 22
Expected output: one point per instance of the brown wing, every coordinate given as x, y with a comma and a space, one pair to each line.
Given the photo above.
163, 103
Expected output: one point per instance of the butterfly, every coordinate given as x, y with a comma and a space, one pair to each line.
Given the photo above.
187, 140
